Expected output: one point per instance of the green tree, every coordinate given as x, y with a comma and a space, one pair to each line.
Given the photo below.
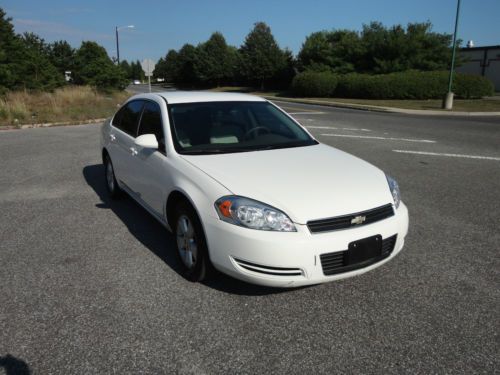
187, 63
169, 67
24, 60
234, 62
377, 49
283, 78
94, 67
262, 58
215, 60
61, 55
396, 49
126, 68
136, 71
159, 71
172, 66
35, 70
336, 51
10, 47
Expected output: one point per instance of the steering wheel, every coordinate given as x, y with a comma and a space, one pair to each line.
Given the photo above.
256, 129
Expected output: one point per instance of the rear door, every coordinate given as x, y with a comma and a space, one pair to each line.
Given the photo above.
123, 133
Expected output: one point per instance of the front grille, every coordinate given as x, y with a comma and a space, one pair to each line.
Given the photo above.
346, 221
388, 245
276, 271
333, 263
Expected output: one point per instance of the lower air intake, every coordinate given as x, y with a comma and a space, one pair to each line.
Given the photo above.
338, 262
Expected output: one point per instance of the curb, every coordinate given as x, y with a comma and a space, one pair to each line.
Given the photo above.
52, 124
374, 108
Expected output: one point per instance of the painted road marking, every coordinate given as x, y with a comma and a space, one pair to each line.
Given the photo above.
380, 138
449, 155
306, 113
357, 129
319, 127
331, 127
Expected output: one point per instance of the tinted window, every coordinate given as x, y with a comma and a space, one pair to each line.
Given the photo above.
118, 117
130, 117
225, 127
151, 123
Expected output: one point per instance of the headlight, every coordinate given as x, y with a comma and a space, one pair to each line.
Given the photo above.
394, 188
253, 214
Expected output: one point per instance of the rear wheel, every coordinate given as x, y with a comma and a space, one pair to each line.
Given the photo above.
191, 244
114, 190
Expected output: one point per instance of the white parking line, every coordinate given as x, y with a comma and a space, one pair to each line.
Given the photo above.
333, 128
306, 113
319, 127
380, 138
357, 129
448, 155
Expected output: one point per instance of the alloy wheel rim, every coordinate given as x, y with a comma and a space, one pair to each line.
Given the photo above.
110, 176
186, 242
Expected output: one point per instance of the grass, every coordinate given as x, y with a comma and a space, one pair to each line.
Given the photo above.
465, 105
71, 104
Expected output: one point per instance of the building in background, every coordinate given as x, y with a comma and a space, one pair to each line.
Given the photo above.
482, 61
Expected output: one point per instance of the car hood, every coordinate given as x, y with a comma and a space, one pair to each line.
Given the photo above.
306, 183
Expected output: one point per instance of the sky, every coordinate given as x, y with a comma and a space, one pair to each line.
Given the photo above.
166, 24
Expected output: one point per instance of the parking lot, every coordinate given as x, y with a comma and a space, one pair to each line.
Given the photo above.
90, 285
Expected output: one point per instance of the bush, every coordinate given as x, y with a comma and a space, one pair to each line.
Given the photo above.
471, 87
314, 84
411, 85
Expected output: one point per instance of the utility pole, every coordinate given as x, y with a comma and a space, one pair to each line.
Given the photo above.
448, 100
117, 42
117, 47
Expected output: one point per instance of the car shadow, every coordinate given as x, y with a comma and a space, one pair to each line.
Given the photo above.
14, 366
159, 240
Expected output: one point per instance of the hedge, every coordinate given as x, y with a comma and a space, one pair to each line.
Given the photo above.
403, 85
470, 87
314, 84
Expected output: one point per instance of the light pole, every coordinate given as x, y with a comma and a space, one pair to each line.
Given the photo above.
117, 42
448, 100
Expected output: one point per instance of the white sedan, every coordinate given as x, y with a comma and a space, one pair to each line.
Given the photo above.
248, 191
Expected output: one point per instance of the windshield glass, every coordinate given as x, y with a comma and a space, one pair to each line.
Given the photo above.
226, 127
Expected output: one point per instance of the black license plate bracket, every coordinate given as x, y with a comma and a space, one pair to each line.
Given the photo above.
364, 250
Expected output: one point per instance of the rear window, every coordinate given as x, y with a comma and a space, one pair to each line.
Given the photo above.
127, 118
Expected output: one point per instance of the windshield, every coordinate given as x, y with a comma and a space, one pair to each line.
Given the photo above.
226, 127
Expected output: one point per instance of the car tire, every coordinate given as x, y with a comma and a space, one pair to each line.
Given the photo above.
191, 244
114, 190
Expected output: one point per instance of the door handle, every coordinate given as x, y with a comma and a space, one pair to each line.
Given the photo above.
133, 151
112, 137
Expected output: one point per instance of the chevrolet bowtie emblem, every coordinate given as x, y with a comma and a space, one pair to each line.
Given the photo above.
358, 220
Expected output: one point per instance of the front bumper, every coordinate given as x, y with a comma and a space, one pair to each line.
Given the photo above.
292, 259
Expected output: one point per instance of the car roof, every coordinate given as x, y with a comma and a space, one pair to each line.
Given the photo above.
175, 97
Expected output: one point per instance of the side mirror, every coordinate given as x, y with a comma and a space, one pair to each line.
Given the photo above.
147, 141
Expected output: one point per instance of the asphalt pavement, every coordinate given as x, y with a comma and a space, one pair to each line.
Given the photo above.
90, 285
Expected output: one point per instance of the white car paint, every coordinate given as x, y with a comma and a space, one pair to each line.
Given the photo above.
307, 183
284, 179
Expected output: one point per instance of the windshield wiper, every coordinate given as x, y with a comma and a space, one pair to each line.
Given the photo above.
288, 145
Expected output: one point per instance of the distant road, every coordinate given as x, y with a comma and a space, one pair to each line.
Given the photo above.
137, 89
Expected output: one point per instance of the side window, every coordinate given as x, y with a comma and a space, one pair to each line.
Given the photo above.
117, 119
151, 123
130, 117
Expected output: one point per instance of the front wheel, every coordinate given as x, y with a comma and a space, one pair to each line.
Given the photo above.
114, 190
191, 244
